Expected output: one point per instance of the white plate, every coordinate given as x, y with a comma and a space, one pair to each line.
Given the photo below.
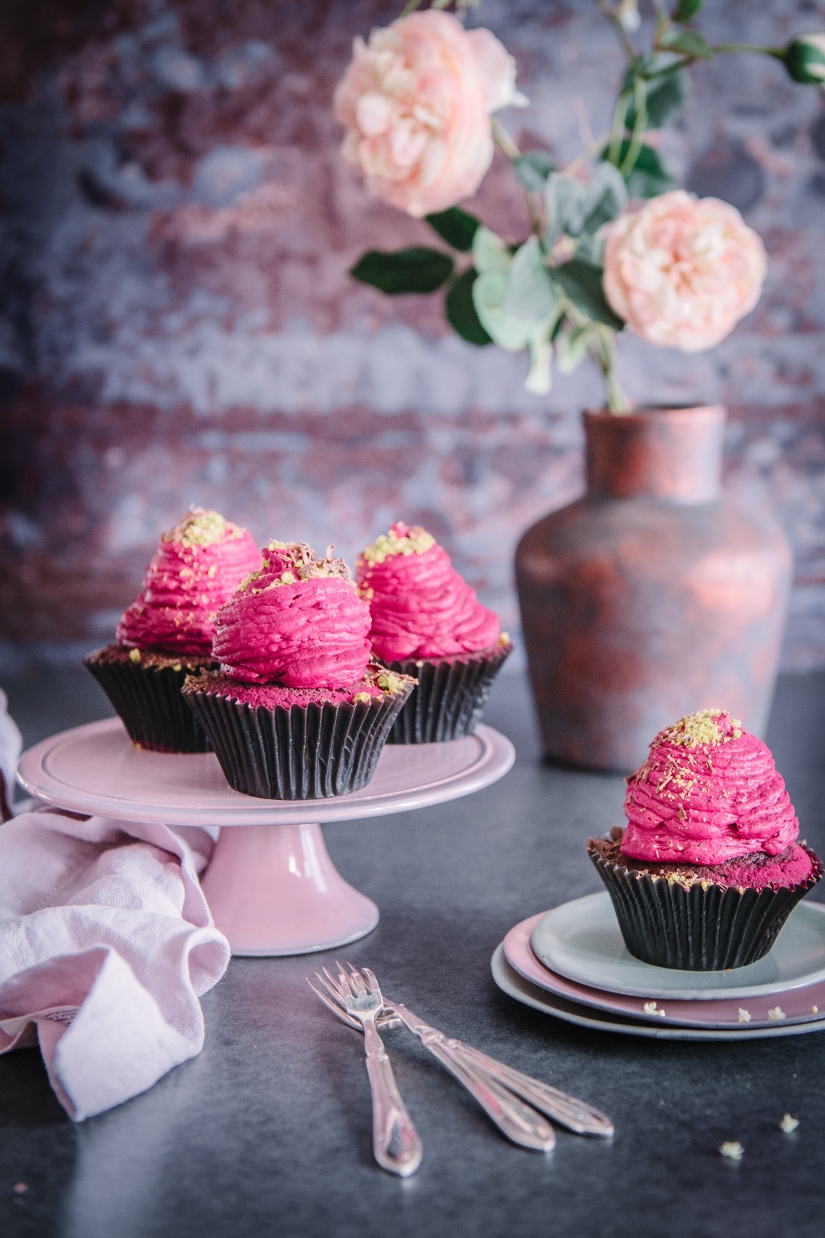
514, 985
582, 940
95, 769
792, 1006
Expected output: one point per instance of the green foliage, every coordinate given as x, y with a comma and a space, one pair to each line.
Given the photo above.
581, 283
665, 95
455, 226
564, 207
604, 198
461, 312
530, 294
533, 168
686, 10
688, 42
415, 269
648, 176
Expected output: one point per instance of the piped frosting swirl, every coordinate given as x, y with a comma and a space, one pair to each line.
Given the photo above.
708, 792
197, 567
419, 604
297, 621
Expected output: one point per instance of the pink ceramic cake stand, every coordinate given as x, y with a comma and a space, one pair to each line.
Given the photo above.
271, 890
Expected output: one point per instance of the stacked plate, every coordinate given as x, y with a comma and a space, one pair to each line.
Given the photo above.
572, 962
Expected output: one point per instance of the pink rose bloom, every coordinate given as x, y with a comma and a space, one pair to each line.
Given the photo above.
682, 271
416, 103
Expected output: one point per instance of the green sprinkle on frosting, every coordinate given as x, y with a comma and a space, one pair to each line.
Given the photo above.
414, 541
200, 527
700, 728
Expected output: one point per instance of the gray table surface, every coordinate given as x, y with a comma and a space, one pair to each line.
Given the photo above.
267, 1132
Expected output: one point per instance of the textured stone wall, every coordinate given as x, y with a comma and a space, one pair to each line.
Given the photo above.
179, 325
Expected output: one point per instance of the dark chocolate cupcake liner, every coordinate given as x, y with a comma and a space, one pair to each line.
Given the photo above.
695, 928
304, 752
450, 697
149, 703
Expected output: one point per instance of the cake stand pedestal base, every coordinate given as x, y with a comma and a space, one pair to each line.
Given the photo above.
273, 890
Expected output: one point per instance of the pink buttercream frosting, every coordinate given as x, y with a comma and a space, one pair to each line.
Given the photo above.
708, 792
420, 606
377, 683
298, 621
196, 568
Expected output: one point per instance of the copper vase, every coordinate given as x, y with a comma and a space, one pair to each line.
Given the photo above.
651, 597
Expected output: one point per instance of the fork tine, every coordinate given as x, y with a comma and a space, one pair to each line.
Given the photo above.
330, 1005
372, 983
344, 980
356, 981
331, 989
341, 991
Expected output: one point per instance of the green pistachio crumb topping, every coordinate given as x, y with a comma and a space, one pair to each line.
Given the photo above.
200, 527
414, 542
699, 728
134, 655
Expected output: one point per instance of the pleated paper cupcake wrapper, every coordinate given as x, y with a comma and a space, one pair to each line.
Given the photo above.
150, 704
449, 700
696, 929
306, 752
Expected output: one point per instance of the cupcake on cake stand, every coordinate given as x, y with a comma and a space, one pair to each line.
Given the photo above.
271, 885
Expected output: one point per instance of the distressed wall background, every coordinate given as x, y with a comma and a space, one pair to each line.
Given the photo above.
179, 325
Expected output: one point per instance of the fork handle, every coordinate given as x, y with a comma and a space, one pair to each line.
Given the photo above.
520, 1123
575, 1114
395, 1141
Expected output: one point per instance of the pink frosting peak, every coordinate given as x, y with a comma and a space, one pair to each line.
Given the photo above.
708, 792
298, 621
420, 606
196, 568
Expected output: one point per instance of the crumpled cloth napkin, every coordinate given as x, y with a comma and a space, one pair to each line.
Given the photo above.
106, 943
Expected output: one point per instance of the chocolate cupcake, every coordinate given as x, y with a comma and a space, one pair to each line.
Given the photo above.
709, 867
427, 622
296, 711
166, 634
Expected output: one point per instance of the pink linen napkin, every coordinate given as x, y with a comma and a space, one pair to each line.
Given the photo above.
106, 943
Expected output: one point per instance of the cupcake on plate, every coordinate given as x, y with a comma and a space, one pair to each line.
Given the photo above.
709, 867
296, 711
167, 632
428, 622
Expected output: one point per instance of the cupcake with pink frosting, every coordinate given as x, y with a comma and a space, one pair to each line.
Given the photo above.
709, 867
297, 709
168, 630
426, 621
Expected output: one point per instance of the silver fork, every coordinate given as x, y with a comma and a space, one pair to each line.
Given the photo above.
395, 1141
576, 1115
517, 1121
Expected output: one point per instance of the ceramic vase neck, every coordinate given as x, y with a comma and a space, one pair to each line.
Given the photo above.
672, 454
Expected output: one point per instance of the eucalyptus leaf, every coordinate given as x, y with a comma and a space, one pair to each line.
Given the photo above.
581, 283
686, 9
489, 252
665, 96
455, 226
530, 294
571, 348
604, 198
539, 378
533, 168
648, 177
461, 312
688, 42
489, 294
591, 249
416, 269
564, 206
